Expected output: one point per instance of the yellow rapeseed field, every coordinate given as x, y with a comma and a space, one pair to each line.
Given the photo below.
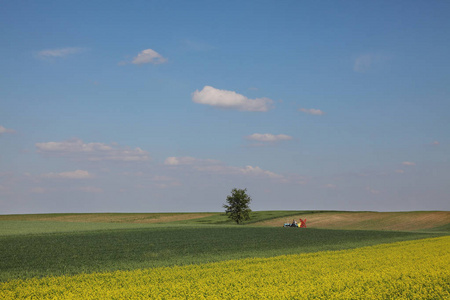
405, 270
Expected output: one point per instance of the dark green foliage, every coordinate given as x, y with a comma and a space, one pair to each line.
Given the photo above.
238, 208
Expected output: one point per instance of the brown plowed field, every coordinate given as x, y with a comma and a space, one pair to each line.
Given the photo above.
369, 220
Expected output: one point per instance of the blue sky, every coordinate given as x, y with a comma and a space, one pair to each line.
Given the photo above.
161, 106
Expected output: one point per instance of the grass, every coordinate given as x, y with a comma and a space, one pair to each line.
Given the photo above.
151, 218
41, 227
409, 221
69, 244
141, 218
256, 216
387, 271
69, 253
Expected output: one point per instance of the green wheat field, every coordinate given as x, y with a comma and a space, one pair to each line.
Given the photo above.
36, 250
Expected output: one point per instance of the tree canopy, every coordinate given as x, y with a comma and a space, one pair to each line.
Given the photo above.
237, 207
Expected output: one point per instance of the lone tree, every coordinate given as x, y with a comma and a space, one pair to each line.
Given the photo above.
237, 208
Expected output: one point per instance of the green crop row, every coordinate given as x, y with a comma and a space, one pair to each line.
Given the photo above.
69, 253
406, 270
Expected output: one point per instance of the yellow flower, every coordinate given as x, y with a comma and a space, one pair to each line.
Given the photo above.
390, 271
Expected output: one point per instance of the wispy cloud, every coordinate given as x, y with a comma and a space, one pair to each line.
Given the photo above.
90, 189
78, 174
77, 149
6, 130
148, 56
60, 52
230, 100
372, 191
408, 163
164, 182
257, 171
365, 62
217, 167
187, 160
268, 137
312, 111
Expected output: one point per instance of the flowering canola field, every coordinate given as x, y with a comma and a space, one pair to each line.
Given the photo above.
405, 270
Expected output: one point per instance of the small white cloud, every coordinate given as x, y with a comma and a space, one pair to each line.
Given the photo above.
330, 186
148, 56
6, 130
74, 145
78, 174
312, 111
365, 62
230, 100
60, 52
176, 161
435, 143
217, 167
77, 149
187, 160
408, 163
257, 171
268, 137
399, 171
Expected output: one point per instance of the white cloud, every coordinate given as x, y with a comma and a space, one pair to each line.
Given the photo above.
176, 161
257, 171
408, 163
400, 171
6, 130
365, 62
217, 167
187, 160
312, 111
435, 143
77, 149
230, 100
148, 56
78, 174
60, 52
362, 63
267, 137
